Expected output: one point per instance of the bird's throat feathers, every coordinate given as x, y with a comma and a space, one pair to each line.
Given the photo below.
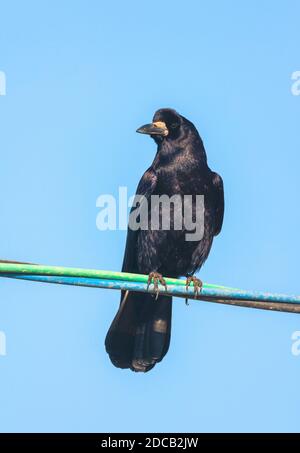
189, 147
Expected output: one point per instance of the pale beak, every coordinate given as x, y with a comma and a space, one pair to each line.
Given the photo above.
157, 128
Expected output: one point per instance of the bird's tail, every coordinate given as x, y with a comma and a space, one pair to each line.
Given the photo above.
139, 335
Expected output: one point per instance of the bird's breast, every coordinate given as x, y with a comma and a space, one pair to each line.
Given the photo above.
180, 180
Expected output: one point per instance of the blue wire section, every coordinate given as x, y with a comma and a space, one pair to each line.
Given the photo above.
172, 290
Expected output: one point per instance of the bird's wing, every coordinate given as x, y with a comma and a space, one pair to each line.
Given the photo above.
146, 187
218, 201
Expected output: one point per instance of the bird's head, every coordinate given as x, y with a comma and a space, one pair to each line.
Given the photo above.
167, 124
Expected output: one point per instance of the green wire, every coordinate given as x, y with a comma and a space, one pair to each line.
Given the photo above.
35, 269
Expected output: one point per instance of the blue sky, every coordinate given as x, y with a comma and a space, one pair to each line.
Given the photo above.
81, 77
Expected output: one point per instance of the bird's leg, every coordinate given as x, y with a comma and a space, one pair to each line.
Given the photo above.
157, 278
197, 283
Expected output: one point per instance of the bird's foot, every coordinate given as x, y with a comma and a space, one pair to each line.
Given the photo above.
197, 283
156, 278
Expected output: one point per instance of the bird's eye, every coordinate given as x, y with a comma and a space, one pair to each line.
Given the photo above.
174, 125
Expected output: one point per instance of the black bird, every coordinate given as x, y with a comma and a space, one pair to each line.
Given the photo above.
139, 335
